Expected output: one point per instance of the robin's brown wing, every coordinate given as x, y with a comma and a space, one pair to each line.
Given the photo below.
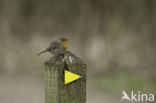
54, 45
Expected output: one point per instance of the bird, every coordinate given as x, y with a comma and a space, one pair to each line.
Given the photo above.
56, 48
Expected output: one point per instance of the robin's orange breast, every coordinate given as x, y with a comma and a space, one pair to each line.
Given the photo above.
64, 43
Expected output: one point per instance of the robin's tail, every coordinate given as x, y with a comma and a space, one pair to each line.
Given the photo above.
42, 52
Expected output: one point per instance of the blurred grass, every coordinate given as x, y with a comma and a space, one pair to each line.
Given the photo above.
127, 81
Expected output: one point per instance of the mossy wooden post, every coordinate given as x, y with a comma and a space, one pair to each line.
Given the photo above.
55, 90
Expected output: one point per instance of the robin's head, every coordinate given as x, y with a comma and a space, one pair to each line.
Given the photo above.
64, 42
64, 39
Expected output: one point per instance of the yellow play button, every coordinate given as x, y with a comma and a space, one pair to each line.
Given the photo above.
70, 77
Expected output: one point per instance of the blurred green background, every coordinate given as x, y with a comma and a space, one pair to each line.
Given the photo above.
116, 38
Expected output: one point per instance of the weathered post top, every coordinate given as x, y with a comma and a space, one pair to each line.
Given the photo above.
56, 90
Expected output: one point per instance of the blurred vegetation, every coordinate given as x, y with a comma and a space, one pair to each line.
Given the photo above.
127, 81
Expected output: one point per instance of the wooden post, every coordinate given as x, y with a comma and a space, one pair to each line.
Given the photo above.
55, 90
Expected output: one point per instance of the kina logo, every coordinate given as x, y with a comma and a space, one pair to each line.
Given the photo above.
137, 97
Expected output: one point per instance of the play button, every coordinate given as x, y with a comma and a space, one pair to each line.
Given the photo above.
70, 77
